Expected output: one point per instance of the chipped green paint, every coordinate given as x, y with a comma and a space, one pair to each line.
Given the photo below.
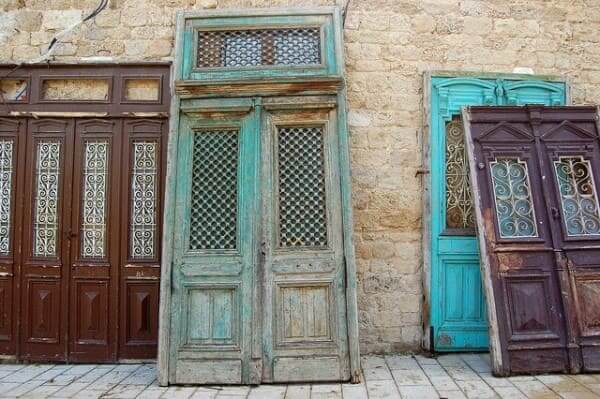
246, 309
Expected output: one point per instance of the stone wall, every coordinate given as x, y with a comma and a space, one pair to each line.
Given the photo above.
389, 44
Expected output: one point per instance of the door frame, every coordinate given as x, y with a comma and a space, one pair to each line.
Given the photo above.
117, 108
424, 172
235, 85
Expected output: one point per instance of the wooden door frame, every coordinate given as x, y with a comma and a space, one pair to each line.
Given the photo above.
424, 171
331, 83
116, 108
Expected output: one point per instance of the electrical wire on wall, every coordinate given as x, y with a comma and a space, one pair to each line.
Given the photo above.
56, 39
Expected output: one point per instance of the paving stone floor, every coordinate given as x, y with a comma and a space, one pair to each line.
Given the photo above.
393, 377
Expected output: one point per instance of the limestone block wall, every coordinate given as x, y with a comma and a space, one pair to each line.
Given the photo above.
389, 45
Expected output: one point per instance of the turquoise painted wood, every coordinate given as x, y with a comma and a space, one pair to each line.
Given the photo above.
458, 314
259, 275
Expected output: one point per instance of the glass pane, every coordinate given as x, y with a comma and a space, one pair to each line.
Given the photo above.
46, 197
6, 182
213, 220
512, 194
459, 204
578, 196
301, 165
144, 190
241, 48
93, 223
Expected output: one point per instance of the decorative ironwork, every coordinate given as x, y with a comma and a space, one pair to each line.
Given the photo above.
213, 222
6, 178
512, 195
144, 191
459, 203
256, 47
301, 178
95, 175
46, 197
579, 200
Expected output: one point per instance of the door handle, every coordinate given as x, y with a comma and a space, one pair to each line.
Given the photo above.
555, 213
263, 249
70, 234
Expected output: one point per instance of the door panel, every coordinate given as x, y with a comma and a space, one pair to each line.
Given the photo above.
45, 271
304, 336
573, 161
214, 271
535, 175
12, 146
94, 232
462, 324
139, 273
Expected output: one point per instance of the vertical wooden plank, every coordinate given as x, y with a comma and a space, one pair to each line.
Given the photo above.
498, 362
168, 216
347, 220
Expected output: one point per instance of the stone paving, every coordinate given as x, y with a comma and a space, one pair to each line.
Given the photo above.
393, 377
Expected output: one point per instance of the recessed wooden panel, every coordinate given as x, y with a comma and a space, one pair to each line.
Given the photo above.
304, 313
296, 369
212, 316
528, 307
588, 292
6, 309
141, 318
209, 372
43, 311
92, 312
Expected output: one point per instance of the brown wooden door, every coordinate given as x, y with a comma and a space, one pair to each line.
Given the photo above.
46, 247
90, 270
93, 233
535, 172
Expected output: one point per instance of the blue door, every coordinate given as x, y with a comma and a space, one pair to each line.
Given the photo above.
458, 314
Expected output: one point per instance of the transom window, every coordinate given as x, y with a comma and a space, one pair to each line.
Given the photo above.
259, 47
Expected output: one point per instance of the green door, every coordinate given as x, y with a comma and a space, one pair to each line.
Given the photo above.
258, 280
458, 314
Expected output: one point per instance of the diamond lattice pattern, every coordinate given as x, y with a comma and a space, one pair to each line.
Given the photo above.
302, 210
213, 223
247, 48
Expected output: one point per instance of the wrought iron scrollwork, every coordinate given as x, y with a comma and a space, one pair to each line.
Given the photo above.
512, 194
578, 196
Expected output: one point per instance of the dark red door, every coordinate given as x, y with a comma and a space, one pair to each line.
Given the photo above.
81, 182
534, 171
46, 246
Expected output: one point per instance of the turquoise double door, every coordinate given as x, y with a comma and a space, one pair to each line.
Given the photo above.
458, 315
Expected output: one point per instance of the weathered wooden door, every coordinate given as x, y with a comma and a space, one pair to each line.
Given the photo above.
258, 289
305, 335
458, 314
535, 173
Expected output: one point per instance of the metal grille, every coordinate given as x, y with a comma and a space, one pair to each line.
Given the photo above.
578, 196
459, 204
247, 48
302, 215
95, 175
47, 191
213, 220
512, 194
144, 189
6, 181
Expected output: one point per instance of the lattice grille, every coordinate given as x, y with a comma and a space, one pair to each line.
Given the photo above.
213, 223
93, 203
6, 190
302, 210
244, 48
